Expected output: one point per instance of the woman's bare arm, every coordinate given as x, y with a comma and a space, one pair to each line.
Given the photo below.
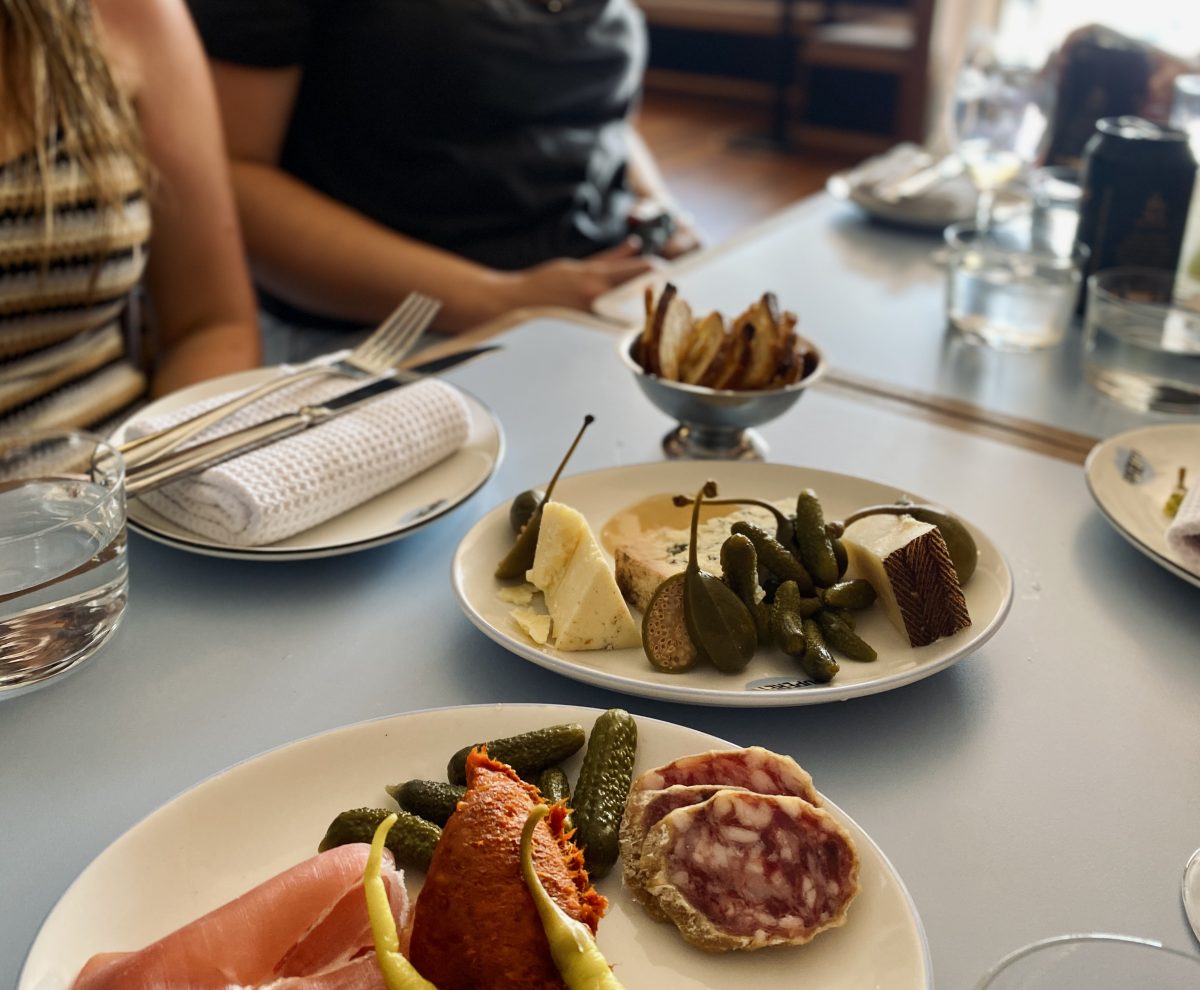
203, 305
324, 256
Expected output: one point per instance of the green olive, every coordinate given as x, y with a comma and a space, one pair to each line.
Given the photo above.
523, 507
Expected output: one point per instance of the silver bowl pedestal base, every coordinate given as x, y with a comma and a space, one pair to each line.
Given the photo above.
696, 443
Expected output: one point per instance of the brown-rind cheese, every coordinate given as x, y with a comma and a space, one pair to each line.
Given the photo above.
908, 564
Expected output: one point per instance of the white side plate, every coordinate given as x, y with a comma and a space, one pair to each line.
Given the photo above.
387, 517
1131, 476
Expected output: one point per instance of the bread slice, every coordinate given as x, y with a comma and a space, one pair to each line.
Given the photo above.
708, 335
765, 344
674, 336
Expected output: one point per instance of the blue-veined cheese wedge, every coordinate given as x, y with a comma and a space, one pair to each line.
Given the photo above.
586, 609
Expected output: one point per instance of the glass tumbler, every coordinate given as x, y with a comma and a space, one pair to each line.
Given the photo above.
1140, 345
1057, 192
1094, 962
1007, 289
63, 572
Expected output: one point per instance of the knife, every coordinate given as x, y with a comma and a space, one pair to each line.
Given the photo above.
173, 466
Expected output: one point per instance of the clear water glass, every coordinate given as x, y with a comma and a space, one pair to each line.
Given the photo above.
63, 572
1094, 962
1141, 346
1056, 193
1006, 290
999, 120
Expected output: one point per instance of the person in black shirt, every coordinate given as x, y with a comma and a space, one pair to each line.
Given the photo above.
479, 151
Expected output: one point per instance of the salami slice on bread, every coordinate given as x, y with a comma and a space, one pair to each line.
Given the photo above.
734, 848
747, 871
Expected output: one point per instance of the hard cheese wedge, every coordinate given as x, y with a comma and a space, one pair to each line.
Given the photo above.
910, 568
586, 609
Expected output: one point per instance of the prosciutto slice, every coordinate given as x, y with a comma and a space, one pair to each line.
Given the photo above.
304, 928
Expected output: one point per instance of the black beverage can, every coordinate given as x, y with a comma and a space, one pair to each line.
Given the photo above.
1138, 178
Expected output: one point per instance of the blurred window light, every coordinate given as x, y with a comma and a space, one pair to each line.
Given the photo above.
1036, 27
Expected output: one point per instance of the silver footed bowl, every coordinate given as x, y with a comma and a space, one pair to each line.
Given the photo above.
716, 424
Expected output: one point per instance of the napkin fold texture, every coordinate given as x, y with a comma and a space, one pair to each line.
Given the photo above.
289, 486
951, 197
1183, 535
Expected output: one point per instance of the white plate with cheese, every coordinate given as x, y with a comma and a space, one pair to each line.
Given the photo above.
771, 679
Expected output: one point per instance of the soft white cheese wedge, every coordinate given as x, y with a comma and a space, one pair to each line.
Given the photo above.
585, 605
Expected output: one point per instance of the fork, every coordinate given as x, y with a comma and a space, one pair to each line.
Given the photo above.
376, 356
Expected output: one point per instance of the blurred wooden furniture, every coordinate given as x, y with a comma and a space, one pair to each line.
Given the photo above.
746, 49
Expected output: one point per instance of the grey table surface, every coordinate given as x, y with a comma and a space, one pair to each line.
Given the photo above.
1049, 783
873, 298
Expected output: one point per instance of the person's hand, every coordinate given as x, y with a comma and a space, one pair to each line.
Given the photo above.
684, 239
576, 283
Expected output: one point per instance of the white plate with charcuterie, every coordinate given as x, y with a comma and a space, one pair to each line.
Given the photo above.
915, 595
245, 826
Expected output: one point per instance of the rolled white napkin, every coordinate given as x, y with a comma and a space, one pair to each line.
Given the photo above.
1183, 535
287, 487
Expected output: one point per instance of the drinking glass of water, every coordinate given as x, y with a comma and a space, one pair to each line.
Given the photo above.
999, 121
63, 573
1094, 962
1141, 344
1008, 288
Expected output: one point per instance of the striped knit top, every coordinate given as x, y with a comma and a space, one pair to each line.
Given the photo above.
63, 355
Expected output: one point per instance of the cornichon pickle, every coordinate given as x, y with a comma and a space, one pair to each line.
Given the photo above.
844, 639
817, 661
411, 840
528, 753
432, 800
812, 542
774, 556
739, 567
787, 624
554, 785
739, 570
603, 787
850, 594
839, 553
846, 615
